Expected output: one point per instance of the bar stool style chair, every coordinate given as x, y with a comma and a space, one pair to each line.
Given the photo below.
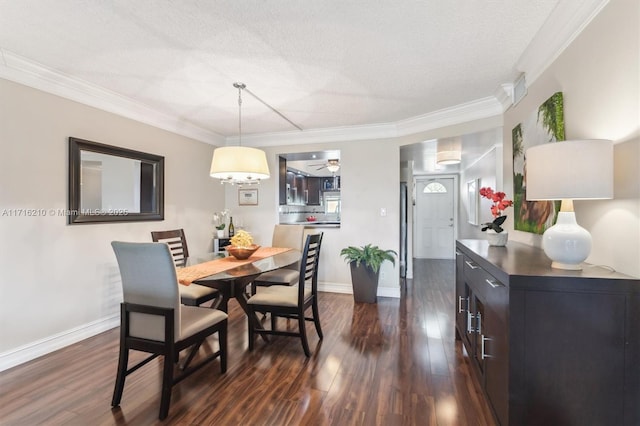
283, 236
194, 294
290, 302
154, 321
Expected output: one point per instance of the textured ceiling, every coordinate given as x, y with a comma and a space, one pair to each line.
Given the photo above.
323, 64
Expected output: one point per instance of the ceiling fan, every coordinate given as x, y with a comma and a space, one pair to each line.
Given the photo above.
333, 165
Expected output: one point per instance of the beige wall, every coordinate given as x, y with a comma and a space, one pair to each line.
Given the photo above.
58, 278
598, 75
369, 181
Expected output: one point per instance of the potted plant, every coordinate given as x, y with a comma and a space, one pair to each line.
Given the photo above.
496, 235
219, 220
365, 264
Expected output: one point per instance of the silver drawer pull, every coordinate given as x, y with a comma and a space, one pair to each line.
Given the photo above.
471, 264
458, 253
483, 355
494, 284
460, 299
470, 317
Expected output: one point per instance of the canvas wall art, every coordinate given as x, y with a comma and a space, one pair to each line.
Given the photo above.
543, 126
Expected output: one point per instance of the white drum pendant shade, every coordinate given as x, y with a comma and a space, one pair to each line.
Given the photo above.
448, 151
239, 164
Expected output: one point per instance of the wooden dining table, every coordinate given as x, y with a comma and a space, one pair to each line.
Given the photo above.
235, 275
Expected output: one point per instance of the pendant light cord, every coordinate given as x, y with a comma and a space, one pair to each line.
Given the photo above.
239, 86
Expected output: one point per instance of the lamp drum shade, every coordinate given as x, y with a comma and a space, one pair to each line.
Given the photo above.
576, 169
239, 164
567, 171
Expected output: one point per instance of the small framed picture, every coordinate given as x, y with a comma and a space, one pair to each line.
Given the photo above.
248, 197
472, 200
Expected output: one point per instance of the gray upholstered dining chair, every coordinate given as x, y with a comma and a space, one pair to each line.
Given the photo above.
290, 301
152, 319
194, 294
291, 236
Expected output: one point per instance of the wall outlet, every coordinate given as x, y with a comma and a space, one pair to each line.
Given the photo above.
383, 211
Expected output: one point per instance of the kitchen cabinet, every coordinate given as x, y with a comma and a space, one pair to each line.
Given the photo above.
290, 185
314, 189
548, 346
300, 187
300, 190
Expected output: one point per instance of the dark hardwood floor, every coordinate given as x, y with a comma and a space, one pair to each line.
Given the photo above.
391, 363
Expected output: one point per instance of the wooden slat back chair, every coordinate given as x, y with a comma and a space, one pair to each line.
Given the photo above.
194, 294
290, 302
154, 321
291, 236
177, 243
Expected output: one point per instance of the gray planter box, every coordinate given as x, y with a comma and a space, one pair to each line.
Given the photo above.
365, 283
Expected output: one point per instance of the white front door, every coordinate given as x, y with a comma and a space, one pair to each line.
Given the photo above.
434, 218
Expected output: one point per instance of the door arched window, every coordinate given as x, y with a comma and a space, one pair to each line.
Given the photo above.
434, 188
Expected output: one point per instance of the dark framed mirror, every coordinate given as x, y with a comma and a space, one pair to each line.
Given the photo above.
112, 184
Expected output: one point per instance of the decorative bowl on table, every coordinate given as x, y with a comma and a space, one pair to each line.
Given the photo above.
242, 253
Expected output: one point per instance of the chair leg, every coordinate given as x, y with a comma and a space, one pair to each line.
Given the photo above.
222, 341
250, 326
303, 334
316, 317
121, 374
167, 384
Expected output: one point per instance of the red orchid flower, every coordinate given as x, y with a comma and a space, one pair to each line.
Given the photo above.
500, 203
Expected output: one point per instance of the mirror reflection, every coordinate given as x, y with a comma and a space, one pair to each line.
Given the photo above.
108, 183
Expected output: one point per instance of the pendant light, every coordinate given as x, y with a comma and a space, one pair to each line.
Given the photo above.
448, 151
239, 164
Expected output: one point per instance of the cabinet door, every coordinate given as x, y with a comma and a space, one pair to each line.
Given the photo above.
300, 197
313, 189
574, 367
494, 354
290, 187
462, 299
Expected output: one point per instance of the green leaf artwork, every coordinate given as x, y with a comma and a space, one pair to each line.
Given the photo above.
546, 125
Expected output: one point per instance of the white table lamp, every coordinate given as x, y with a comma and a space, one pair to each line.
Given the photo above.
567, 171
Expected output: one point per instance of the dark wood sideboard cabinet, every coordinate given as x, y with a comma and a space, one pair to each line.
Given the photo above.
548, 346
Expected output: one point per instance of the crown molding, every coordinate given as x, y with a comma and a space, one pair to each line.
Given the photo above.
29, 73
565, 23
463, 113
21, 70
504, 95
333, 134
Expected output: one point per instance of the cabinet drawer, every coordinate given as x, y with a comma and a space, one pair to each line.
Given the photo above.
471, 270
487, 288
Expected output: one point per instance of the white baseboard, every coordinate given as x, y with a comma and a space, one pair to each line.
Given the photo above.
33, 350
347, 289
